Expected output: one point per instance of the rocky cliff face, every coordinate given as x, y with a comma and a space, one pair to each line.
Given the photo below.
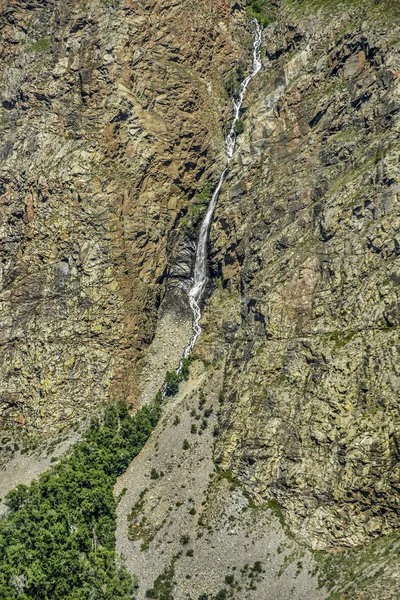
110, 121
307, 233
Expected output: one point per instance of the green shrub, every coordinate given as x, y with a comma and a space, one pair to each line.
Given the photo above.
184, 539
196, 209
239, 127
234, 79
262, 10
144, 546
231, 84
172, 380
257, 568
185, 368
202, 400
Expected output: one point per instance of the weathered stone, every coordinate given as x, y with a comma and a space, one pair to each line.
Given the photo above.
106, 137
312, 382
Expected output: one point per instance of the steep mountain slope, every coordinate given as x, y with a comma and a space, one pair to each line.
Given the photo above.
110, 117
187, 529
308, 234
305, 249
277, 463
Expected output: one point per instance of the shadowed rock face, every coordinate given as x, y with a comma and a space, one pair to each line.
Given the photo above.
307, 233
110, 119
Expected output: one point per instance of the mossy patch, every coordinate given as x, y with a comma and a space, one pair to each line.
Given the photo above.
41, 45
342, 338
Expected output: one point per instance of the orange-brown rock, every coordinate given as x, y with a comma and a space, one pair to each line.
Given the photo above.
111, 118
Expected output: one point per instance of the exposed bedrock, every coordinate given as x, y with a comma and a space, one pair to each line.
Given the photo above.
111, 142
307, 233
111, 117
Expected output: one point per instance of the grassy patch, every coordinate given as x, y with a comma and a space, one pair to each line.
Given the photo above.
41, 45
276, 509
234, 483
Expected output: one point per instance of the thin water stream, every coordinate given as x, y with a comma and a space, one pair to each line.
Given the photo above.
200, 273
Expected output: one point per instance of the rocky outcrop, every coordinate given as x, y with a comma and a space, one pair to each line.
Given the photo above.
307, 233
110, 119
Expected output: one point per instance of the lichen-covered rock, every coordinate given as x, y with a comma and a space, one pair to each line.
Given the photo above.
110, 120
307, 231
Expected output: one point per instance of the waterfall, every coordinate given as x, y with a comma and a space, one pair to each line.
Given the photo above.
230, 140
200, 273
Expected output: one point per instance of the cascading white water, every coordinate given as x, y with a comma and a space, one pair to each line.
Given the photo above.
200, 274
230, 140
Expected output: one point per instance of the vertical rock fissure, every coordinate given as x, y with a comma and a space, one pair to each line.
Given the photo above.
200, 273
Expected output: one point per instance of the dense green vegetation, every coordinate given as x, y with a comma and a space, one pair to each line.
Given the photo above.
239, 127
57, 540
262, 10
172, 379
